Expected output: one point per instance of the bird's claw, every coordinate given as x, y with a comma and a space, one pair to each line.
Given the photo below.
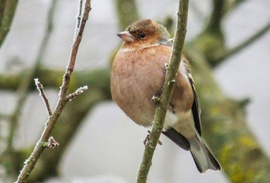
146, 141
156, 99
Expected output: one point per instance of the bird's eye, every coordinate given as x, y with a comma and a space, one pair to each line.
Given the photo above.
142, 35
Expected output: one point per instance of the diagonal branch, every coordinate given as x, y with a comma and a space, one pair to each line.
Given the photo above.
233, 5
245, 43
39, 148
74, 51
167, 91
25, 83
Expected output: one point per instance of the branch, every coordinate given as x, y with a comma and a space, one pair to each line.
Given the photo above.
167, 92
7, 11
126, 12
74, 51
213, 35
232, 5
39, 148
23, 89
244, 44
99, 82
43, 96
226, 129
216, 17
78, 92
51, 78
79, 17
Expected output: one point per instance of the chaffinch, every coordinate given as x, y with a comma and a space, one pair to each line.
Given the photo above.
138, 73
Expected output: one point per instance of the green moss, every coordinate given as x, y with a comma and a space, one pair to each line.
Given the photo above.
212, 45
247, 141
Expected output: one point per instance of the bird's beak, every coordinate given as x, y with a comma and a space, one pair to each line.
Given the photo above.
126, 36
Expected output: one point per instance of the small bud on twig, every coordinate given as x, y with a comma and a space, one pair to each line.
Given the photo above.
78, 92
52, 143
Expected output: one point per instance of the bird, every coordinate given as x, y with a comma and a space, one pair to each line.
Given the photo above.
137, 76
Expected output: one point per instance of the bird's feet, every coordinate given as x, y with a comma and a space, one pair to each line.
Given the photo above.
146, 141
156, 99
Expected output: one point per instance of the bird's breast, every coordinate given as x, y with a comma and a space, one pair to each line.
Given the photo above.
138, 75
135, 78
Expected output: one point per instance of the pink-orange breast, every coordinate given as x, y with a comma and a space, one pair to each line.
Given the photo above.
137, 76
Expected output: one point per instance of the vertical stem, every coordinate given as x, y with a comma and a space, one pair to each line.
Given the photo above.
126, 12
167, 91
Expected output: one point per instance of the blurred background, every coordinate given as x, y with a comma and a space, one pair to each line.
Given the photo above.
228, 44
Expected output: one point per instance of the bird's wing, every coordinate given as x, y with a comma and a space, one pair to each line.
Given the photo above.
196, 110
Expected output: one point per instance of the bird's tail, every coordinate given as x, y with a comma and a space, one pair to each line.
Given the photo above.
202, 156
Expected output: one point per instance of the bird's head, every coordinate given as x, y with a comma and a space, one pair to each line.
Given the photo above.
143, 33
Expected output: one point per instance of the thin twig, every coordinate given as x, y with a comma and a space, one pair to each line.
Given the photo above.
74, 51
39, 148
78, 92
79, 16
167, 91
43, 96
27, 80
